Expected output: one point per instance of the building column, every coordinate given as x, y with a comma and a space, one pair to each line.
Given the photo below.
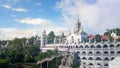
41, 65
47, 64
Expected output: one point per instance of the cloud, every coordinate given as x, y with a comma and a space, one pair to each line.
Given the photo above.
34, 21
38, 26
14, 9
19, 9
11, 33
44, 24
95, 16
6, 6
38, 4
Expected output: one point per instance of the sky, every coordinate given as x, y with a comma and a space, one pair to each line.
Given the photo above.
26, 18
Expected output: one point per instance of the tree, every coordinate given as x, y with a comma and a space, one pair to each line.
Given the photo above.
57, 39
33, 50
29, 59
51, 37
98, 38
109, 31
4, 63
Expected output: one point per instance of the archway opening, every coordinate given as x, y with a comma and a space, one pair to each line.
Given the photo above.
105, 46
98, 46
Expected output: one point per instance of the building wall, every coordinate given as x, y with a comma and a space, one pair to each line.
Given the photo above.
96, 55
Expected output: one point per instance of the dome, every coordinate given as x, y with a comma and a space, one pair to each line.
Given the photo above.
83, 33
84, 36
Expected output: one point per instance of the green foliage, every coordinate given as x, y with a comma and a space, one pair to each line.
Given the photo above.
40, 56
53, 63
33, 50
32, 40
4, 63
57, 39
109, 31
51, 37
98, 38
17, 53
3, 42
28, 59
47, 54
3, 53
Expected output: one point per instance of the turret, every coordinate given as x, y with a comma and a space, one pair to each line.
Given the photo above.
43, 38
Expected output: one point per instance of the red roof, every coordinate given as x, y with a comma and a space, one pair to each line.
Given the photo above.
91, 36
105, 37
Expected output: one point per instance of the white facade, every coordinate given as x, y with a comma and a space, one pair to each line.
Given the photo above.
77, 35
97, 55
92, 55
115, 63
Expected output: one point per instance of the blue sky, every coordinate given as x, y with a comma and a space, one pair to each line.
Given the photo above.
26, 18
34, 9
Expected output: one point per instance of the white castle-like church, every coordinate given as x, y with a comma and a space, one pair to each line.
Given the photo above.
91, 54
77, 35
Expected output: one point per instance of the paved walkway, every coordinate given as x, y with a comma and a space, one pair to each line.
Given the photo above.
64, 67
49, 59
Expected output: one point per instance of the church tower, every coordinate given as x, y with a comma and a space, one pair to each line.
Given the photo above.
78, 28
43, 38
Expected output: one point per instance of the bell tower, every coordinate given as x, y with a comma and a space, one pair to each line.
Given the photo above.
78, 27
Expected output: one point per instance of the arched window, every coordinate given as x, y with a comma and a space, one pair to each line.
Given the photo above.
92, 46
118, 52
98, 52
106, 65
98, 58
112, 58
90, 64
81, 46
84, 58
90, 52
118, 45
83, 52
76, 46
106, 58
86, 46
105, 46
98, 46
112, 52
106, 52
111, 46
98, 64
90, 58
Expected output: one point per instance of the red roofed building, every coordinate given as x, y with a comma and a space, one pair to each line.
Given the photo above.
105, 37
91, 36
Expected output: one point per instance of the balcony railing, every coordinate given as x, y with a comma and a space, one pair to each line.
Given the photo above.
105, 48
98, 48
90, 54
98, 54
112, 54
105, 54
